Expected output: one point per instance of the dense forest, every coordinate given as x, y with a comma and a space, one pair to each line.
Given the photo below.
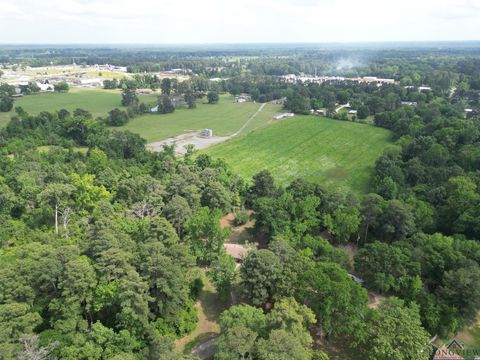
102, 241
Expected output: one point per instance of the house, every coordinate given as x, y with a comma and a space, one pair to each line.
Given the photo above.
279, 101
283, 115
243, 98
18, 92
409, 103
352, 112
424, 89
176, 102
46, 87
91, 82
237, 251
144, 91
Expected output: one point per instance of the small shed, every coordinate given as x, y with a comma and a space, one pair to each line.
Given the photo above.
207, 133
283, 115
321, 112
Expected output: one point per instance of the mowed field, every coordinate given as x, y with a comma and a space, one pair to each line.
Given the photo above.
98, 101
335, 153
223, 118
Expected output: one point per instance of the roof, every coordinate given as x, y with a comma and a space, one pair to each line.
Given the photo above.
236, 251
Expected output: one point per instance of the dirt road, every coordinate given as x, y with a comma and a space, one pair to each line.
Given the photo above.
196, 139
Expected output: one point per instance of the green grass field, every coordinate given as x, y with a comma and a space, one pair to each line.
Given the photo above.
223, 118
97, 101
335, 153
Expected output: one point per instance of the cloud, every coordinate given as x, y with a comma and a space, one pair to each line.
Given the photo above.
7, 8
190, 21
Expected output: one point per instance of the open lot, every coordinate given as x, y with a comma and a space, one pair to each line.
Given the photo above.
335, 153
224, 118
97, 101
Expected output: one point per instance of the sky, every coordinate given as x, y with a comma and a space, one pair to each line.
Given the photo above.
242, 21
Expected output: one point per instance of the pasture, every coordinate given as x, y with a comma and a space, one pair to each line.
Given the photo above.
223, 118
338, 154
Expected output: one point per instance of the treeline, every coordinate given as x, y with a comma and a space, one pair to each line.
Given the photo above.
7, 93
99, 250
165, 104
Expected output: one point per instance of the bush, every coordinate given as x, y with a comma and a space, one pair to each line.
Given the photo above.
195, 288
62, 86
241, 218
6, 103
213, 97
117, 117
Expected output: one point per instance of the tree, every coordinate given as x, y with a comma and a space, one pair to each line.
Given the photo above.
344, 223
117, 117
397, 221
32, 349
240, 325
213, 97
260, 273
16, 319
190, 99
129, 98
78, 285
236, 343
384, 326
110, 84
205, 234
58, 195
282, 345
247, 333
166, 86
338, 302
223, 273
298, 104
6, 102
362, 112
133, 301
385, 267
461, 290
293, 317
62, 86
371, 212
178, 211
87, 195
165, 105
263, 185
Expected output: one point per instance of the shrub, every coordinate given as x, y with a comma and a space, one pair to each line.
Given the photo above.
241, 218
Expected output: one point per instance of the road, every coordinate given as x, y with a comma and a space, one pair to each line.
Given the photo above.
247, 122
199, 141
206, 350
